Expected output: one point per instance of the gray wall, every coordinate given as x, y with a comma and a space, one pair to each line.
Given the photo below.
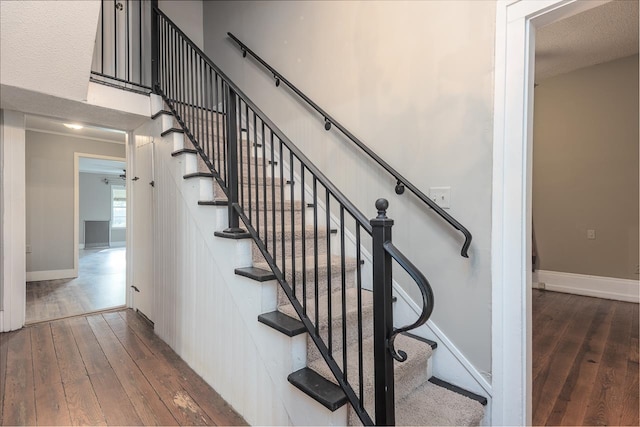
95, 203
49, 192
585, 170
414, 81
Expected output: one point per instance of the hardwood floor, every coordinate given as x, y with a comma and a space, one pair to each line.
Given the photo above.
585, 360
100, 285
102, 369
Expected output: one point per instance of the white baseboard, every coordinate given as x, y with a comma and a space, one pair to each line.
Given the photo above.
591, 286
117, 244
36, 276
80, 245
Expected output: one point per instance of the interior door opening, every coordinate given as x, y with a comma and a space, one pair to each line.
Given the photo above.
76, 219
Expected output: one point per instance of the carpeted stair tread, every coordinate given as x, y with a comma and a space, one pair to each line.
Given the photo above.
309, 264
433, 405
409, 374
351, 296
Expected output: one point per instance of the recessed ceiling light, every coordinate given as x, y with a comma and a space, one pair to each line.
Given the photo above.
73, 126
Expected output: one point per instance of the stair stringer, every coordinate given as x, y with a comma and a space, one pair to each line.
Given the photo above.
208, 315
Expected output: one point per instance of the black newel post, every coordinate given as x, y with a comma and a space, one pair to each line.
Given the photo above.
382, 316
232, 162
155, 47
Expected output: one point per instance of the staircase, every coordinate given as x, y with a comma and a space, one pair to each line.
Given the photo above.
327, 258
420, 398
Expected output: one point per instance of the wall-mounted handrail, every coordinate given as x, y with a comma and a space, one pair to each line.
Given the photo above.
402, 182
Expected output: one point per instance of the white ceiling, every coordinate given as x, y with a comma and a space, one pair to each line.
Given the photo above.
101, 166
56, 126
598, 35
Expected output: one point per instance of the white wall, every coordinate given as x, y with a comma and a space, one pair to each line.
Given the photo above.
413, 80
95, 203
585, 170
187, 15
50, 195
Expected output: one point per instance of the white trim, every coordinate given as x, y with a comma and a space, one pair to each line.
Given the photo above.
591, 286
130, 153
36, 276
76, 202
13, 263
511, 200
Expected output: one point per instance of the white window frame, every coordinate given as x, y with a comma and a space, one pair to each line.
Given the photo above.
114, 187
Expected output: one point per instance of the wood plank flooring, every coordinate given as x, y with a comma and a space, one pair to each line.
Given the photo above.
100, 285
102, 369
585, 361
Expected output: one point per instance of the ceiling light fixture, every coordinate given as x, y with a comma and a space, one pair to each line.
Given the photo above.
73, 126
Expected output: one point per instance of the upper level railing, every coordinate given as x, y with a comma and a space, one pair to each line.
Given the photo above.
274, 191
401, 181
122, 52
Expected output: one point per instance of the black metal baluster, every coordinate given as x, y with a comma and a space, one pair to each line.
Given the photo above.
197, 101
359, 296
282, 211
248, 134
225, 130
303, 209
293, 223
102, 37
264, 187
343, 278
140, 43
115, 40
273, 198
383, 316
217, 116
127, 61
207, 109
183, 83
327, 211
241, 168
315, 252
255, 156
192, 95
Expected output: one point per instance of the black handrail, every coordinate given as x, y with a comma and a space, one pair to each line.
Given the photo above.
402, 182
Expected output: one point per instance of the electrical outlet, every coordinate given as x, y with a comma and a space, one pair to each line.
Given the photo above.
638, 269
591, 234
28, 249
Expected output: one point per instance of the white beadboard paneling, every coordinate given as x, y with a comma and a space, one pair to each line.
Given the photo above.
208, 315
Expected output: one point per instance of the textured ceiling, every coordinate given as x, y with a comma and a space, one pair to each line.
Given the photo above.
598, 35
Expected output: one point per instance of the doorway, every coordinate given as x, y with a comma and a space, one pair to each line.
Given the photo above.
76, 219
516, 26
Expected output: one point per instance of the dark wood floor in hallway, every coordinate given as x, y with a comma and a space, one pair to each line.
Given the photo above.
103, 369
585, 361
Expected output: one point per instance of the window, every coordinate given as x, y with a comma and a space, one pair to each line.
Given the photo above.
118, 206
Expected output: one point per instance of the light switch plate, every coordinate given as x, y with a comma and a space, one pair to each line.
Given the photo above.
441, 195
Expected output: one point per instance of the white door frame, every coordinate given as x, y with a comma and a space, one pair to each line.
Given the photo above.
516, 21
